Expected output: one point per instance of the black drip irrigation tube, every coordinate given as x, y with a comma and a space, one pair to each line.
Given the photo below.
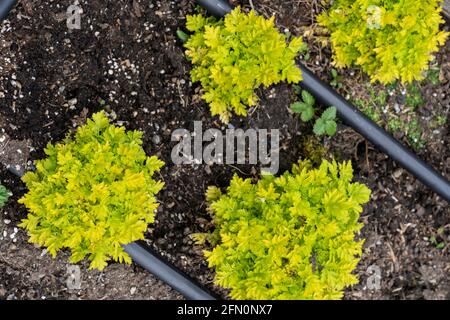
5, 7
144, 256
358, 121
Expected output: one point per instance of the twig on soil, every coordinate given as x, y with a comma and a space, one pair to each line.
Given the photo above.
392, 256
251, 5
236, 168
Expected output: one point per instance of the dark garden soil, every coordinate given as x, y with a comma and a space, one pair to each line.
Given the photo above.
127, 60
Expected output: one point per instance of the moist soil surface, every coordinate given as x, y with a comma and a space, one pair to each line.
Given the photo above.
127, 60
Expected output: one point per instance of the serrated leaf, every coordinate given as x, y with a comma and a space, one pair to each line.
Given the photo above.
319, 127
331, 128
307, 114
329, 114
299, 107
308, 98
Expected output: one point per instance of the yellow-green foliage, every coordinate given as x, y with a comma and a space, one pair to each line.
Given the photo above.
389, 39
92, 193
234, 56
291, 237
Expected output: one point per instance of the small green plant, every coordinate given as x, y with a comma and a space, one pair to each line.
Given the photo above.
433, 76
92, 194
436, 243
414, 97
288, 237
389, 39
4, 195
336, 79
306, 107
440, 121
234, 56
326, 124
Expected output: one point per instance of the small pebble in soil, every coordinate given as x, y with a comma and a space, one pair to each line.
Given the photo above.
156, 139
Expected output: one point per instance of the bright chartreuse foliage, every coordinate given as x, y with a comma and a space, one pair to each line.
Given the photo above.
4, 195
389, 39
288, 237
92, 193
234, 56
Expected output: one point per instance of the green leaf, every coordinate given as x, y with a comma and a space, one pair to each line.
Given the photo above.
326, 124
4, 195
306, 111
363, 37
308, 98
334, 73
297, 89
319, 127
183, 36
440, 245
298, 107
329, 114
331, 128
307, 114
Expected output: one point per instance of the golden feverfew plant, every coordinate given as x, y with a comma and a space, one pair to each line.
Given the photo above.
234, 56
288, 237
390, 39
92, 194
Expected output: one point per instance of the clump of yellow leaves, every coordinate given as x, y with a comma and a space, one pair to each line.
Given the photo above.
389, 39
288, 237
92, 194
234, 56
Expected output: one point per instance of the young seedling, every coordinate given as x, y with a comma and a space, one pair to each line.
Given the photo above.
306, 107
326, 124
336, 79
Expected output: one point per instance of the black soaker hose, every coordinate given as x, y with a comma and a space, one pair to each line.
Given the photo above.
5, 7
146, 258
358, 121
216, 8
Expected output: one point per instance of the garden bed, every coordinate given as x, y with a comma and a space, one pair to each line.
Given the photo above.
127, 60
